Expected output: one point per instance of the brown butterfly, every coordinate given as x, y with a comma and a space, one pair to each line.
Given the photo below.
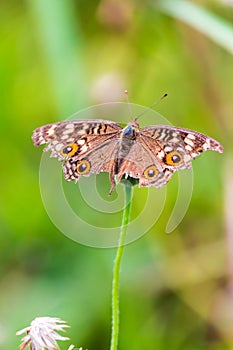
151, 154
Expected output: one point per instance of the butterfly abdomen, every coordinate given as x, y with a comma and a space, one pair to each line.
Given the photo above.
127, 140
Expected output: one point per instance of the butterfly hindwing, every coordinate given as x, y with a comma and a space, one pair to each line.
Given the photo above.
99, 159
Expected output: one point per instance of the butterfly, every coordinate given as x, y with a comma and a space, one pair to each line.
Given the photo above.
151, 154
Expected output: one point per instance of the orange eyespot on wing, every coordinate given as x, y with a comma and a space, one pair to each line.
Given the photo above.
83, 167
69, 150
150, 172
174, 158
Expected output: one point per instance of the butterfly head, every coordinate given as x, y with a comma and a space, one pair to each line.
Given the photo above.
131, 129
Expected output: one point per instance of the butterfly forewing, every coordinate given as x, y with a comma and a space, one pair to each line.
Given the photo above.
192, 141
67, 139
74, 128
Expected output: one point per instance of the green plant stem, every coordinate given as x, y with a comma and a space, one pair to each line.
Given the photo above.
117, 267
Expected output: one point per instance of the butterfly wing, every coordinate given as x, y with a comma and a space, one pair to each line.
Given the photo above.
85, 146
164, 150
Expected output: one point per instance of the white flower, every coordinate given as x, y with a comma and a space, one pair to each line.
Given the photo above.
41, 335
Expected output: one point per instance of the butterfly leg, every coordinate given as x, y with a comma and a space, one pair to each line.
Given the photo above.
113, 181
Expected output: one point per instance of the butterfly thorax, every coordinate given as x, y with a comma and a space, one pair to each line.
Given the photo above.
131, 129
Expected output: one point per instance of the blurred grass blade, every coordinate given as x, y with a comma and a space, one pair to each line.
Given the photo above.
61, 43
209, 24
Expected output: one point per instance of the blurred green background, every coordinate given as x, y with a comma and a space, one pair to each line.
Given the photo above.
58, 56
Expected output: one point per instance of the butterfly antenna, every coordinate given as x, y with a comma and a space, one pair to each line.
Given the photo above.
128, 104
152, 105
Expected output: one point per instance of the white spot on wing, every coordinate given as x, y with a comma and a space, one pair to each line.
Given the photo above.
187, 158
167, 149
59, 147
206, 145
189, 142
189, 148
84, 148
51, 130
69, 126
68, 131
81, 142
161, 154
191, 136
194, 154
